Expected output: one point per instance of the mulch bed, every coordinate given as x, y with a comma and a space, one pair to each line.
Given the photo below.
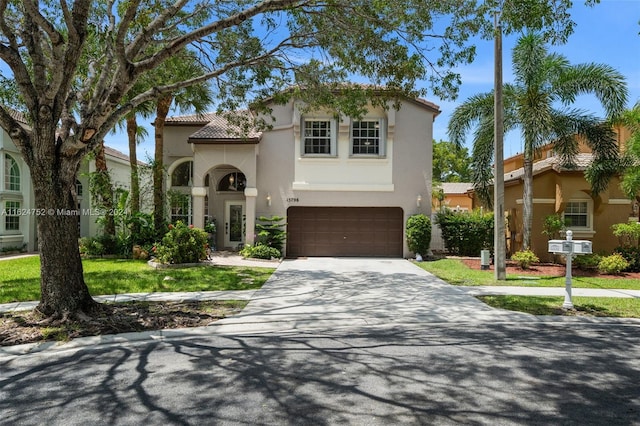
28, 327
548, 269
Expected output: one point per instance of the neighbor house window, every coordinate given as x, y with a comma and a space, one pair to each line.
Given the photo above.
367, 137
318, 137
11, 174
12, 216
576, 214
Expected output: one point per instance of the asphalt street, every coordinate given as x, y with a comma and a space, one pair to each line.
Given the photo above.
542, 373
342, 342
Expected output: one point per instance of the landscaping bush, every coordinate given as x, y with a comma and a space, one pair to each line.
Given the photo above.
260, 251
182, 244
587, 262
466, 234
270, 232
525, 258
613, 264
632, 256
418, 230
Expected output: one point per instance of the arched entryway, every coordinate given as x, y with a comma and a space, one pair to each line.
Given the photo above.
225, 205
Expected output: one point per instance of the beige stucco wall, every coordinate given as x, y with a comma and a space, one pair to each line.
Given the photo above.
404, 175
550, 190
280, 177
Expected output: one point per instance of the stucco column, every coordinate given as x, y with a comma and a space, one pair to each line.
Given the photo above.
198, 193
250, 221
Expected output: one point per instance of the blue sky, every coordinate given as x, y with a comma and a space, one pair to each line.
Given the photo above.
606, 33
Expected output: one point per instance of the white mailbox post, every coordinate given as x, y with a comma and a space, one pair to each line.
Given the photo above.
569, 248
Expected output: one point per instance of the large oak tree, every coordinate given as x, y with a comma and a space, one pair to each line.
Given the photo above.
72, 67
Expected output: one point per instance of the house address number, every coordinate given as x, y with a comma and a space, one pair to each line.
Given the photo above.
293, 200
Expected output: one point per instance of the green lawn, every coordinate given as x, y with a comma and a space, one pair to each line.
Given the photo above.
20, 278
457, 273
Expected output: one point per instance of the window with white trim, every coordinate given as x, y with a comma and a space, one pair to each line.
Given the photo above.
318, 137
11, 174
180, 207
576, 214
12, 216
367, 137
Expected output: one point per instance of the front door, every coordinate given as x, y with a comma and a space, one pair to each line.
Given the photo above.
234, 219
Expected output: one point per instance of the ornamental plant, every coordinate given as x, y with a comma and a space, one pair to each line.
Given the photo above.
613, 264
182, 244
525, 258
419, 233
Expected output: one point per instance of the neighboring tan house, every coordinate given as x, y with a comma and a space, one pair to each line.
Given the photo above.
558, 190
17, 205
345, 187
456, 196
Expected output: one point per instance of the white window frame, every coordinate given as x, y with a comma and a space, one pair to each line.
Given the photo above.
382, 138
589, 214
9, 162
10, 212
333, 131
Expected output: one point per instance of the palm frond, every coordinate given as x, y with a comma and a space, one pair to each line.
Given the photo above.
604, 81
468, 114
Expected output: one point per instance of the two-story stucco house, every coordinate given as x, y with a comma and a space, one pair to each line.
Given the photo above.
18, 215
345, 186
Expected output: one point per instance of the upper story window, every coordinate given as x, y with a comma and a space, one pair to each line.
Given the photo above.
367, 138
183, 174
319, 137
11, 174
576, 214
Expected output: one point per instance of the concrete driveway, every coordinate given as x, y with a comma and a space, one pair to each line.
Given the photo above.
326, 293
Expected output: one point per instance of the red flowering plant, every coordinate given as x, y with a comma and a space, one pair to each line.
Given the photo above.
182, 244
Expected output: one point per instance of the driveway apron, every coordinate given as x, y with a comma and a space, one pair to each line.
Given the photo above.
327, 293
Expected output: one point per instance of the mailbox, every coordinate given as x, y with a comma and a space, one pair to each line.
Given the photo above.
560, 246
571, 246
581, 247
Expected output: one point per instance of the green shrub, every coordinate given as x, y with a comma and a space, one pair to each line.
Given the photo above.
270, 232
631, 255
419, 233
613, 264
91, 247
260, 251
587, 262
466, 234
525, 258
182, 244
552, 225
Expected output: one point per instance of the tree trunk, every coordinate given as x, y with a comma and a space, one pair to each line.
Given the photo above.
162, 109
105, 190
132, 130
63, 290
527, 203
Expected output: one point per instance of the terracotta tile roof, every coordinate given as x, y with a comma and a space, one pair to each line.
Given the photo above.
117, 154
582, 160
221, 129
17, 115
456, 187
191, 119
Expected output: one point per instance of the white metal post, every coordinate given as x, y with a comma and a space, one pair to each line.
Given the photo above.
568, 304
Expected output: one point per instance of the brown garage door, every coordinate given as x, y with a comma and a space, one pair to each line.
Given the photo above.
344, 231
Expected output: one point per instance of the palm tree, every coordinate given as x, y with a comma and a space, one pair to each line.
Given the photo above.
197, 98
631, 175
539, 105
